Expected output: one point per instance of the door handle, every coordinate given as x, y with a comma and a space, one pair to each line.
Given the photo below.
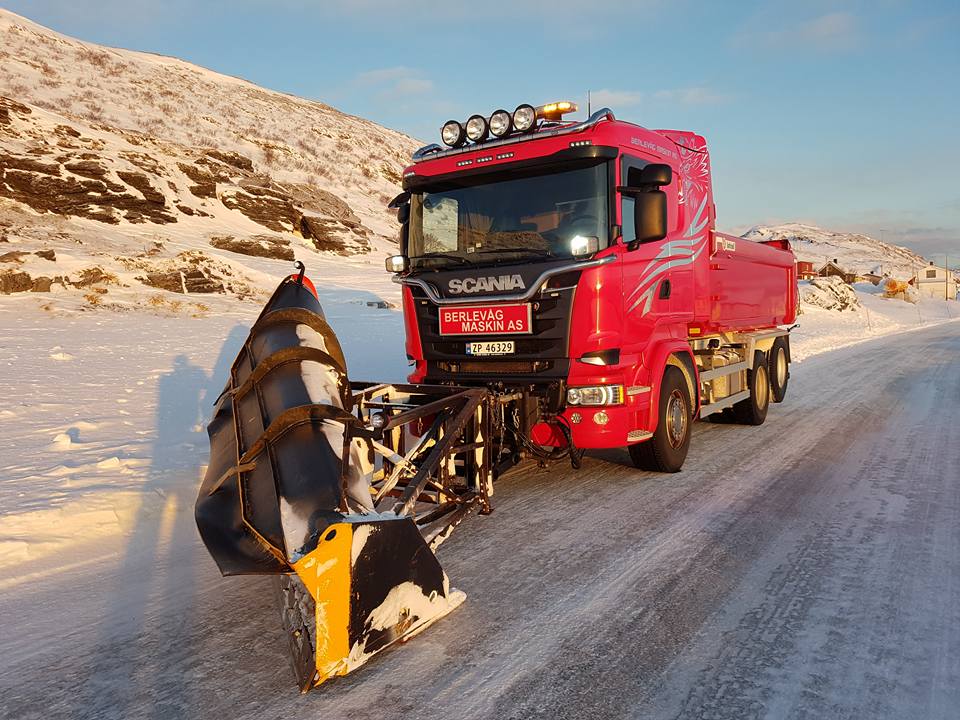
664, 293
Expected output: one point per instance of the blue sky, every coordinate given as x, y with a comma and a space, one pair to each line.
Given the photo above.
842, 114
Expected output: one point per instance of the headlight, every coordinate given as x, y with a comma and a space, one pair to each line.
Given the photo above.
581, 245
595, 395
524, 118
452, 133
501, 123
477, 128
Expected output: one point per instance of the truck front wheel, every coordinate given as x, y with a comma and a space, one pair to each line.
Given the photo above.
753, 410
667, 449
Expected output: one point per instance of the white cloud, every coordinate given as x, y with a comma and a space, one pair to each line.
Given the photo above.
615, 98
677, 96
837, 28
393, 82
690, 96
832, 31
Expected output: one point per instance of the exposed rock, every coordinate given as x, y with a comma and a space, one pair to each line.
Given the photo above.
95, 276
231, 158
13, 257
204, 190
257, 246
67, 130
41, 284
266, 207
142, 183
12, 281
202, 176
87, 168
193, 279
46, 255
320, 230
19, 162
46, 191
8, 106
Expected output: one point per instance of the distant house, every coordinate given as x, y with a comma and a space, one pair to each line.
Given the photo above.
937, 282
805, 270
832, 269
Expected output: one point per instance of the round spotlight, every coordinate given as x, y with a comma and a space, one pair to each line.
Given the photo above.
477, 128
525, 118
452, 133
501, 123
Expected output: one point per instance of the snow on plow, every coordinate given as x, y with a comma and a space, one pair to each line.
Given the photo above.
342, 490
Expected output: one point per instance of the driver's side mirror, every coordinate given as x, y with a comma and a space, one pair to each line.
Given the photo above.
401, 203
650, 216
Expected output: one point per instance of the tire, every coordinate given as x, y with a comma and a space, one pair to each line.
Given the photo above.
779, 369
753, 410
667, 449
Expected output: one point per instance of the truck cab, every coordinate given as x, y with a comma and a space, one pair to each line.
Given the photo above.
577, 264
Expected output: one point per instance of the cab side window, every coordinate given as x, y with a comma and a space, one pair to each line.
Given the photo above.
631, 177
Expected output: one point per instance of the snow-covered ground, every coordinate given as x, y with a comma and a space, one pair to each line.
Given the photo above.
105, 408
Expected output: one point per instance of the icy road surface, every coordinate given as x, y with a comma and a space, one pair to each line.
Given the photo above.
808, 568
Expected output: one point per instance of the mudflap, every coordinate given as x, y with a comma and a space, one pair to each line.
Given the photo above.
368, 584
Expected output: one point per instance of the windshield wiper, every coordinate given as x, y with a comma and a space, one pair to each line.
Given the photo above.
528, 251
441, 256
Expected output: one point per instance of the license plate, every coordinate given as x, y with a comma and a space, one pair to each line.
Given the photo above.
486, 320
491, 347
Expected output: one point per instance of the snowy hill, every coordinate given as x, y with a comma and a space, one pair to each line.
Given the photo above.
134, 166
854, 252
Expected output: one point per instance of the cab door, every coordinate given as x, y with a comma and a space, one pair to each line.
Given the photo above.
649, 277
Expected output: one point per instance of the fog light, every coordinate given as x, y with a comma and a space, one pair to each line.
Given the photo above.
500, 123
477, 128
601, 418
524, 118
452, 133
378, 420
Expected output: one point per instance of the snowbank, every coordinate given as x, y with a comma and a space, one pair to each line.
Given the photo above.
835, 315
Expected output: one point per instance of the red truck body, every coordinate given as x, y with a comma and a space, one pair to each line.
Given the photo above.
646, 305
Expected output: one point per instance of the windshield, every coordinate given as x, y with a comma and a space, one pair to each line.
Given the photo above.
510, 220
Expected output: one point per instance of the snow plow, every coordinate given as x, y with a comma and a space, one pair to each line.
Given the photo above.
344, 491
564, 289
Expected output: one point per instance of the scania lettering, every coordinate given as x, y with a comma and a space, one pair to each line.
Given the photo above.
485, 284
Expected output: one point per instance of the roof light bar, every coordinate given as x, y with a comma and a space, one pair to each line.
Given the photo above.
503, 123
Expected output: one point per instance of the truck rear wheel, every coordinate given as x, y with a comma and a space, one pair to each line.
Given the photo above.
779, 369
753, 410
667, 449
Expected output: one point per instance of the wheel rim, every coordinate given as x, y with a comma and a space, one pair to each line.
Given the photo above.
676, 419
761, 390
781, 367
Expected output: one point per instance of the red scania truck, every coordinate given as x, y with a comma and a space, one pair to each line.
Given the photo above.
576, 266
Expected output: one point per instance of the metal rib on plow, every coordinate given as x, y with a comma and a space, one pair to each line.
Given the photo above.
342, 490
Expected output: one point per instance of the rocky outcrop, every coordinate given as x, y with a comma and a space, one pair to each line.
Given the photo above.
41, 186
257, 246
191, 280
270, 208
